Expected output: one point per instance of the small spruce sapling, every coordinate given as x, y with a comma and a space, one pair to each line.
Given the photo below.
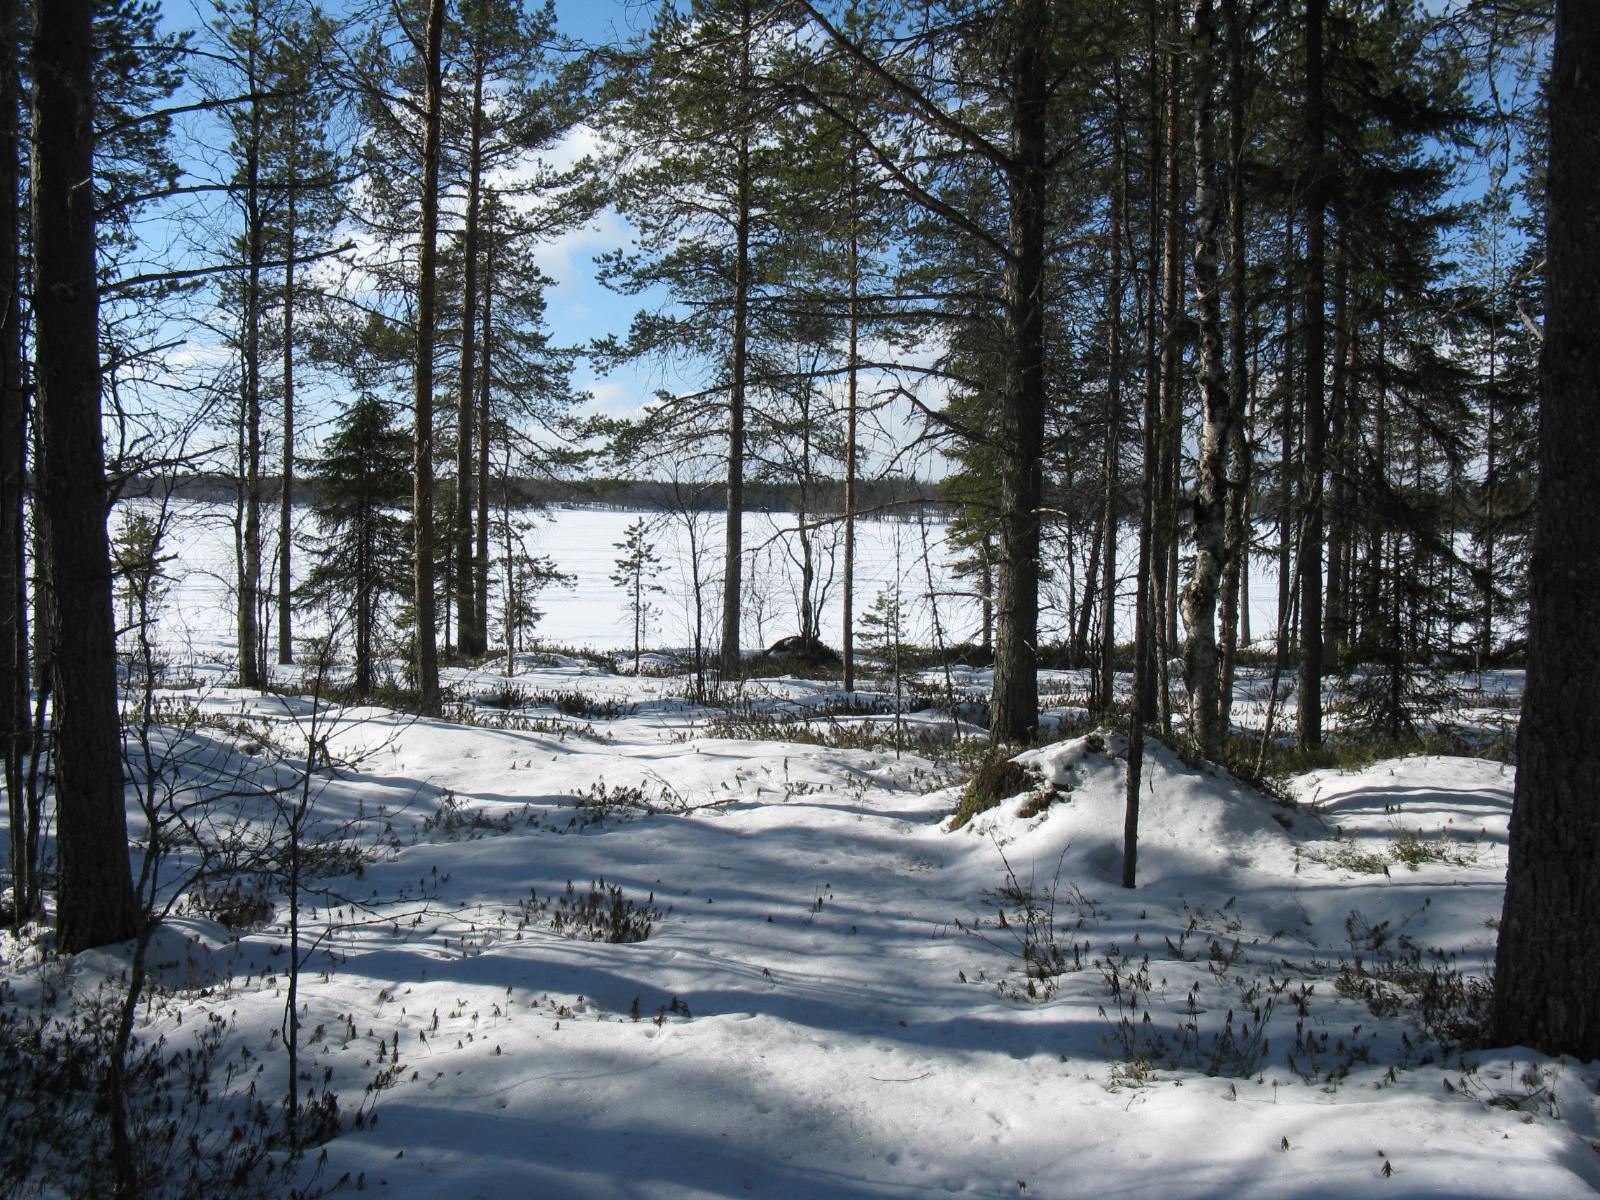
883, 632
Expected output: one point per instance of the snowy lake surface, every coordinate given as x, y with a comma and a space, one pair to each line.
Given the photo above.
591, 613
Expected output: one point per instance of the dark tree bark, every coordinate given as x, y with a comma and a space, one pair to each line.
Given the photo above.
251, 674
732, 661
1547, 971
95, 901
1015, 713
470, 638
1143, 707
1309, 710
15, 668
1168, 447
1236, 574
852, 383
1206, 727
1336, 517
480, 561
424, 604
1091, 590
1105, 690
1288, 524
286, 495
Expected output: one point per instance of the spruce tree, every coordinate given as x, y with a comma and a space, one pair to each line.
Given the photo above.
362, 557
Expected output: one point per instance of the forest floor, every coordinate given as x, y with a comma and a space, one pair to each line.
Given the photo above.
840, 995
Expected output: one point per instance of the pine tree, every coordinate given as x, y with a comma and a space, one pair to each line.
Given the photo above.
1547, 967
701, 188
507, 101
15, 667
983, 99
95, 891
302, 170
424, 604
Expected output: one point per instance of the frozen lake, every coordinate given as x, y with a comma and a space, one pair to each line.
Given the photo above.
590, 613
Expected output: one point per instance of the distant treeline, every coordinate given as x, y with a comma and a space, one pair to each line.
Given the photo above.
873, 498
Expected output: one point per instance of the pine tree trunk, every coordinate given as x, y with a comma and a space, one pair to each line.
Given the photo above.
95, 901
1547, 971
1143, 706
732, 660
15, 669
1335, 618
1143, 676
1236, 548
251, 674
1288, 477
1091, 588
1015, 712
480, 559
286, 496
1309, 696
424, 604
1105, 685
469, 637
1211, 481
1490, 483
854, 268
1168, 440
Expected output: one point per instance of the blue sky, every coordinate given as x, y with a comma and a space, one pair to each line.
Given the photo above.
580, 310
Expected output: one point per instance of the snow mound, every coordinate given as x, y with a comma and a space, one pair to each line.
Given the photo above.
185, 954
1194, 821
649, 663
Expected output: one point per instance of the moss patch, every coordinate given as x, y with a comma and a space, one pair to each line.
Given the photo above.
997, 779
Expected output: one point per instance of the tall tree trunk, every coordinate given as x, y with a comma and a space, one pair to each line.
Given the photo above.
852, 367
1105, 685
1091, 591
1547, 970
286, 495
1015, 712
1490, 483
1143, 674
251, 673
732, 660
1144, 677
469, 637
1168, 439
15, 668
1236, 547
424, 604
480, 559
1309, 698
1336, 633
1211, 482
1288, 477
95, 901
1143, 707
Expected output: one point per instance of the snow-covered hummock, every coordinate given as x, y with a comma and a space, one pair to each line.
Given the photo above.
828, 1009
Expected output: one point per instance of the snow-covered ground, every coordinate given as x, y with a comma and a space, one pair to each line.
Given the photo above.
841, 994
834, 998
